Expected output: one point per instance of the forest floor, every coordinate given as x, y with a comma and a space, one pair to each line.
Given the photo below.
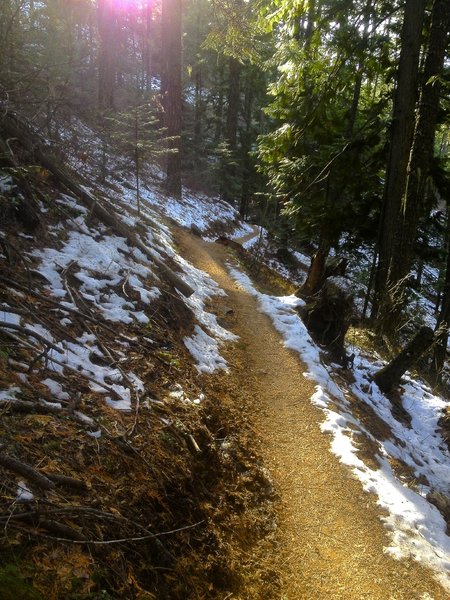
331, 540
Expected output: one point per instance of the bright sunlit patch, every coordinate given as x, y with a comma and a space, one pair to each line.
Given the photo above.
131, 5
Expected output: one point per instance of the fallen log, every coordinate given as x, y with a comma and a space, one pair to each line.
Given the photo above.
389, 376
31, 474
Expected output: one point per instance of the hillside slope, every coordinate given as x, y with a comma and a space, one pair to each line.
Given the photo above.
114, 479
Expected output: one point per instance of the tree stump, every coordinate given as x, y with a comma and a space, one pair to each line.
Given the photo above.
389, 376
316, 272
328, 315
320, 269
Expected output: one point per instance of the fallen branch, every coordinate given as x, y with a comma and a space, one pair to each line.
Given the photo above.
27, 209
25, 310
195, 447
25, 406
71, 510
107, 542
68, 367
74, 510
91, 379
57, 304
53, 527
31, 474
30, 333
66, 481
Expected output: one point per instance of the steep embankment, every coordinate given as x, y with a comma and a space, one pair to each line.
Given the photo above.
124, 473
330, 538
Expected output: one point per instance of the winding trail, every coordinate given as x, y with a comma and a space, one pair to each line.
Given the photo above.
331, 536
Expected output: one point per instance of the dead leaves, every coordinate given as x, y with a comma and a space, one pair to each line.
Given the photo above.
62, 571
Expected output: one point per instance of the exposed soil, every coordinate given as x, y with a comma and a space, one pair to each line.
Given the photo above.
330, 540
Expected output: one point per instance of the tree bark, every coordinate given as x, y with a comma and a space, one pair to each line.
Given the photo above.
218, 105
388, 272
443, 320
171, 90
359, 74
234, 81
389, 376
106, 66
316, 273
233, 98
246, 140
146, 51
415, 200
328, 315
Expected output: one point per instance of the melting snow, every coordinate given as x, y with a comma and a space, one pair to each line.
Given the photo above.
24, 494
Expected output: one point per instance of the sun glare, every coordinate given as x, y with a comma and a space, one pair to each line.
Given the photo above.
125, 5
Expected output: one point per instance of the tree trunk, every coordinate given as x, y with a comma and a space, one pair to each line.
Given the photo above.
234, 79
316, 273
389, 272
218, 106
198, 115
171, 89
106, 66
233, 97
389, 376
359, 74
199, 110
328, 315
245, 150
415, 201
146, 51
443, 320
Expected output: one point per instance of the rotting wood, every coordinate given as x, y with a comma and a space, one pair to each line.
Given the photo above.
107, 215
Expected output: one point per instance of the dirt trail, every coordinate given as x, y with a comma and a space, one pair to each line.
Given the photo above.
330, 531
